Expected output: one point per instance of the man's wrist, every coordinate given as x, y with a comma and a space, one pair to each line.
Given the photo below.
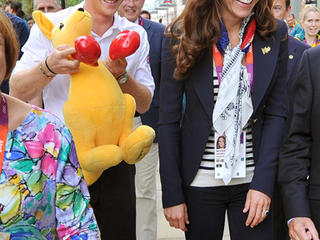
123, 78
42, 70
47, 65
290, 220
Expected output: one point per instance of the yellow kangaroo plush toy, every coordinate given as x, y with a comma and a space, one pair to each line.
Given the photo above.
100, 117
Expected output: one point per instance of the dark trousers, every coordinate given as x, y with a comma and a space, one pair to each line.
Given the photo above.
207, 208
114, 203
279, 223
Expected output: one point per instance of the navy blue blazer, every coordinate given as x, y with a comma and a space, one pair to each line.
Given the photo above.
295, 51
182, 140
299, 156
156, 39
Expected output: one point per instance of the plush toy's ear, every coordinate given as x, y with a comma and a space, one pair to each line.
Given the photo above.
44, 23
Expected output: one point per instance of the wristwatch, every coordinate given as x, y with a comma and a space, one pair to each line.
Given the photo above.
123, 78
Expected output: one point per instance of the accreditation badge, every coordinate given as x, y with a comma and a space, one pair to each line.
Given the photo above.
239, 168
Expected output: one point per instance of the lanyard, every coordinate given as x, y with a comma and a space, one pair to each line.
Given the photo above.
3, 128
218, 61
140, 21
315, 44
246, 46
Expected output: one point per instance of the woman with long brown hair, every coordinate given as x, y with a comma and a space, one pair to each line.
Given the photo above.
229, 57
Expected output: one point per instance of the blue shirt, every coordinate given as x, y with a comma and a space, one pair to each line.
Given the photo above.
22, 30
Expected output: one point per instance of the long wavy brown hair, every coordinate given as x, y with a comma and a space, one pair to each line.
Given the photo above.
11, 44
197, 28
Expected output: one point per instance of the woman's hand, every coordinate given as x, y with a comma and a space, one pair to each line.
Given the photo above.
258, 204
60, 62
177, 216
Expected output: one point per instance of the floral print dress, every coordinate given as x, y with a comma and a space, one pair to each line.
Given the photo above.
43, 194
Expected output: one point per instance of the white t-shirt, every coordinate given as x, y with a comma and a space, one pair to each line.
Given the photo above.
38, 47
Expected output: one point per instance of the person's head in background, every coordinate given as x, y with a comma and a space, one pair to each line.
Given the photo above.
30, 21
15, 8
281, 9
291, 20
310, 21
46, 5
131, 9
145, 14
9, 47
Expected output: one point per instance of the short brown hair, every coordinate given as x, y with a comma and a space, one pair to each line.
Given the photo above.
11, 43
288, 4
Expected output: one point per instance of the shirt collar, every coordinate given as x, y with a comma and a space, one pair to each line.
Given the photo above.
116, 27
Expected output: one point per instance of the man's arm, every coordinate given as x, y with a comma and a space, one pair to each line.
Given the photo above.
28, 84
140, 92
295, 153
27, 80
37, 101
140, 83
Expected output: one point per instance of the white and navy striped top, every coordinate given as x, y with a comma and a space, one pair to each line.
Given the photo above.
206, 176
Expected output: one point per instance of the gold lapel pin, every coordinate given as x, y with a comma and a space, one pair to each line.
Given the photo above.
265, 50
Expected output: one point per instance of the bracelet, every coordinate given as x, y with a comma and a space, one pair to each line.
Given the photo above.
46, 62
44, 73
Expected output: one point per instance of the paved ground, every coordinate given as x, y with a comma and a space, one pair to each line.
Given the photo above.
165, 232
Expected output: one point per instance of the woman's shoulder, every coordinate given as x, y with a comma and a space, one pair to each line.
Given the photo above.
46, 121
43, 113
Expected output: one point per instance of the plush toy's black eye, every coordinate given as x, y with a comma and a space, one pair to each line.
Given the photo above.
61, 26
81, 9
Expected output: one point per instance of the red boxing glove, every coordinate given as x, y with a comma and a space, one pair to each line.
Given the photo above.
88, 50
124, 44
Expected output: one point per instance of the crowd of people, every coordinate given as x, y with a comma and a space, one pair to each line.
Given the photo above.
231, 89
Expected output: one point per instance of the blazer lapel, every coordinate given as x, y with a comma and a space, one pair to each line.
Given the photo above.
292, 58
202, 81
264, 65
146, 26
265, 55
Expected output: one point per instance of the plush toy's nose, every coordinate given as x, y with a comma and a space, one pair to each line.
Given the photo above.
81, 9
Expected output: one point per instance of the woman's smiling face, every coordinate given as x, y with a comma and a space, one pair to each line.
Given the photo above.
237, 9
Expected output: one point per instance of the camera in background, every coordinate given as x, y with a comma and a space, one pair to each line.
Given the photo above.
311, 2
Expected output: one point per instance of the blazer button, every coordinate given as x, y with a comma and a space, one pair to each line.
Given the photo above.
254, 120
